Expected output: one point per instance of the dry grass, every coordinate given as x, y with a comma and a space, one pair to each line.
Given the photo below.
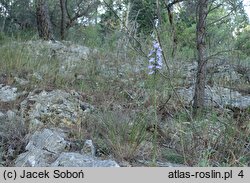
123, 99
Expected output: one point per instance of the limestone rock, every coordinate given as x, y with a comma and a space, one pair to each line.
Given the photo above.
78, 160
89, 148
43, 148
218, 96
7, 93
2, 115
67, 53
47, 148
11, 115
54, 107
21, 81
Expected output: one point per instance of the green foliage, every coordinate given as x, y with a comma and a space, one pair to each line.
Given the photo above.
243, 41
143, 12
220, 33
2, 37
187, 36
220, 27
12, 133
20, 15
172, 156
122, 133
17, 61
14, 58
86, 35
92, 36
201, 140
24, 35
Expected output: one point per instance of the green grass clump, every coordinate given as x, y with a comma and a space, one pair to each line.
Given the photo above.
18, 60
123, 134
213, 140
12, 135
172, 156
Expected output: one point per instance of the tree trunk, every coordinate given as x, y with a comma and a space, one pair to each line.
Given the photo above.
3, 24
169, 6
43, 20
158, 12
174, 37
199, 95
127, 14
63, 18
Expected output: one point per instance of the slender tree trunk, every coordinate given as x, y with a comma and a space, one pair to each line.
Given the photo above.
158, 12
43, 20
96, 15
169, 6
171, 21
127, 14
3, 24
63, 18
199, 95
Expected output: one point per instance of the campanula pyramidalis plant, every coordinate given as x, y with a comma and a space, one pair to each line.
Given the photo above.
155, 58
155, 64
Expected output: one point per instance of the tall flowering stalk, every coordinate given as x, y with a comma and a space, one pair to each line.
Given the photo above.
155, 64
155, 58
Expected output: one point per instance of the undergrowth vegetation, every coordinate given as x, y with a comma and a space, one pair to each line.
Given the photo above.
138, 117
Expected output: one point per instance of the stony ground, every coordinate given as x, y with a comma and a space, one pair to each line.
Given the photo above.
49, 124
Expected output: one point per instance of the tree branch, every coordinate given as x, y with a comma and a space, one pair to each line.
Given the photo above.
79, 14
223, 51
128, 32
67, 9
212, 9
227, 15
169, 5
171, 21
220, 19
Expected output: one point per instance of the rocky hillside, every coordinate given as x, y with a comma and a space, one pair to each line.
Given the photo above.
63, 104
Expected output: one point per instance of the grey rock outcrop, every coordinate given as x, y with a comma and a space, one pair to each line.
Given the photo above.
215, 94
69, 54
48, 148
21, 81
2, 115
89, 148
54, 107
8, 93
225, 73
218, 96
79, 160
43, 148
